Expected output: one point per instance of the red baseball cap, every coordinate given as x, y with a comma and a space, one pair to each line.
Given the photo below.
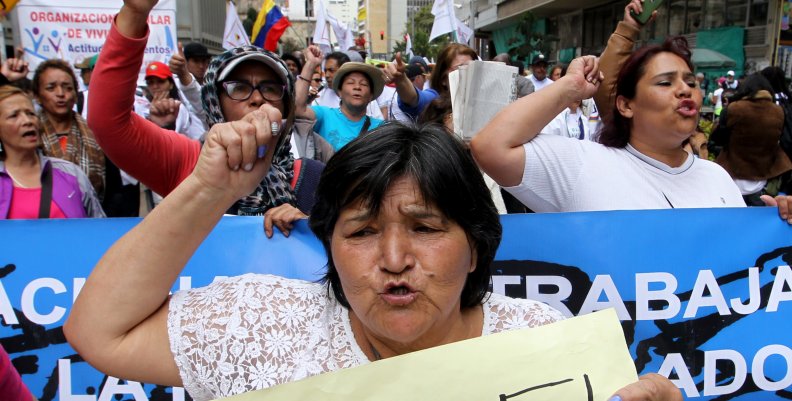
159, 70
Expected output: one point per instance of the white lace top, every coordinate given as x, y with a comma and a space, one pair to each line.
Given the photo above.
255, 331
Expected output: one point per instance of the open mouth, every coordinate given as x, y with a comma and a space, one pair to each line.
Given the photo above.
27, 134
399, 294
398, 290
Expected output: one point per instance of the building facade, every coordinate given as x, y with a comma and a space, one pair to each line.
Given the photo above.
574, 27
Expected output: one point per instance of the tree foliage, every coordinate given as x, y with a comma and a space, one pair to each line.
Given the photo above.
419, 29
290, 44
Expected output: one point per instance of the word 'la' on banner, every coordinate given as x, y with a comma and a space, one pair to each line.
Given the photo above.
704, 296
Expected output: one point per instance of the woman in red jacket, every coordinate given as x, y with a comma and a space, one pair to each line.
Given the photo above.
238, 82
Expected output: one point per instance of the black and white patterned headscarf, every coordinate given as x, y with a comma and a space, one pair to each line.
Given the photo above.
274, 189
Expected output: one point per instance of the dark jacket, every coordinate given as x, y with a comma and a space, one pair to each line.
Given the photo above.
749, 133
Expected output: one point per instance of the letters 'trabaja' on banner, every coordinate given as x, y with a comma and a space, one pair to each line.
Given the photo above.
705, 296
584, 358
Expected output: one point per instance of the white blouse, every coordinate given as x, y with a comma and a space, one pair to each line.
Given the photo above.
255, 331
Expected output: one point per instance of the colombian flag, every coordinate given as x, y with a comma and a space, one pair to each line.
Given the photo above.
270, 25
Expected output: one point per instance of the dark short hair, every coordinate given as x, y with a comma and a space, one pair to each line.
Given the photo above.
413, 70
750, 86
777, 78
56, 64
339, 57
293, 58
520, 66
446, 176
616, 128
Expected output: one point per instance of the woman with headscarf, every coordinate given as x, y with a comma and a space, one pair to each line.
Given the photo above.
238, 82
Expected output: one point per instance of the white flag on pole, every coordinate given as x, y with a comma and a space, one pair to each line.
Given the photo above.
408, 46
342, 32
321, 36
445, 21
234, 34
463, 32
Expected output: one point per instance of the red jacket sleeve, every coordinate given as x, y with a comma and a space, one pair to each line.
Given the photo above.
157, 157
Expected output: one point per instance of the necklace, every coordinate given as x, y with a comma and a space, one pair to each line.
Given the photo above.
19, 184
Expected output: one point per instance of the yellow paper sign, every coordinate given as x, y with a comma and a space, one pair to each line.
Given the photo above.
583, 358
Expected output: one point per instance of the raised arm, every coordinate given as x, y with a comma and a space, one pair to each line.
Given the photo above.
620, 47
313, 59
498, 146
119, 320
159, 158
395, 71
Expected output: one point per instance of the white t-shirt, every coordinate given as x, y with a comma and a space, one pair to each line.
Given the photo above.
256, 331
569, 125
395, 112
539, 85
718, 100
386, 97
329, 98
564, 175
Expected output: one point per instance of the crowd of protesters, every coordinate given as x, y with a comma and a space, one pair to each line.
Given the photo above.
607, 133
329, 99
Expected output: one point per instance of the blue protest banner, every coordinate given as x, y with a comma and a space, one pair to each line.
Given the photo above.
702, 293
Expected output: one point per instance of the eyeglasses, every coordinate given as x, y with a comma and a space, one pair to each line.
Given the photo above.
317, 80
241, 91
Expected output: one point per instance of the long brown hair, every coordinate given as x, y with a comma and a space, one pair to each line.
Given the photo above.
440, 108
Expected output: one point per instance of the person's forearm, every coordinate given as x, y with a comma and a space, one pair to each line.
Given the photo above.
406, 91
133, 278
301, 88
131, 23
185, 79
498, 146
619, 48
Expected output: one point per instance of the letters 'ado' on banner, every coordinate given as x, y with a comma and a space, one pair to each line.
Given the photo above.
704, 296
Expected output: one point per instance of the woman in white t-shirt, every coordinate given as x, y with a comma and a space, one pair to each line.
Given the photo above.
639, 162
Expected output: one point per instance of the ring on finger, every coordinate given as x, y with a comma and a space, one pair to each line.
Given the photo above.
275, 128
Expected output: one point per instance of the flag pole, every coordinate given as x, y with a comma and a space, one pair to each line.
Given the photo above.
452, 20
302, 42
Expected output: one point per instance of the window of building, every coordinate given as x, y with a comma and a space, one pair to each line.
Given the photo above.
736, 12
676, 17
714, 17
758, 14
694, 15
309, 12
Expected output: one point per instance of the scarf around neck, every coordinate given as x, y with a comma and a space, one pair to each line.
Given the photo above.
275, 189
